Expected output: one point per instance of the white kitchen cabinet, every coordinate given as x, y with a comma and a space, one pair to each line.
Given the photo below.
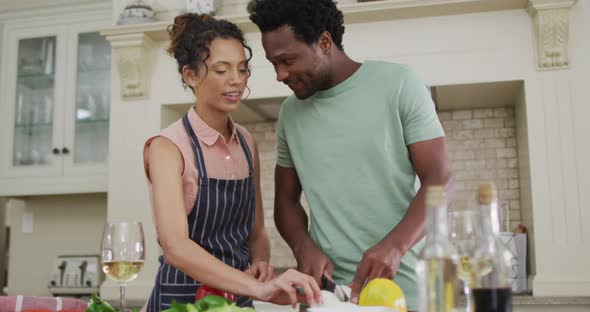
54, 105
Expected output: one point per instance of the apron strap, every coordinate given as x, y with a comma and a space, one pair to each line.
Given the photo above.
199, 160
247, 152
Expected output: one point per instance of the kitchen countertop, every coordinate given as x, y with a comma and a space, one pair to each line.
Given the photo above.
518, 300
533, 300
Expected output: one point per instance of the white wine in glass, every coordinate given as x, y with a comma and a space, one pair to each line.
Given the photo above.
122, 271
122, 253
463, 233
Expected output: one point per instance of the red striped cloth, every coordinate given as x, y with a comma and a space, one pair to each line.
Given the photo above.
38, 304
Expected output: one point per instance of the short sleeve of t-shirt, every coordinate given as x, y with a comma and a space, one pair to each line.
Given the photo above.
283, 155
417, 111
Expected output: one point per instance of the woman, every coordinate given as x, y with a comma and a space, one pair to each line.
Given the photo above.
204, 175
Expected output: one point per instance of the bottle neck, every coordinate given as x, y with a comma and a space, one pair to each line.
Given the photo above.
490, 218
436, 222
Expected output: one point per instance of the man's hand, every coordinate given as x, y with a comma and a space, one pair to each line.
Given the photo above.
381, 260
312, 261
430, 161
261, 270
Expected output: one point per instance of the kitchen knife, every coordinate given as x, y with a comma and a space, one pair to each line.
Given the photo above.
326, 283
338, 290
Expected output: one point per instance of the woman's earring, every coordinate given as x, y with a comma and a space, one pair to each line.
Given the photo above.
249, 92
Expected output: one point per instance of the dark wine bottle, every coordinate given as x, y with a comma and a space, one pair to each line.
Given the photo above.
492, 270
492, 299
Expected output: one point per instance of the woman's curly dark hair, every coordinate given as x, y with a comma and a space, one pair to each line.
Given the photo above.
192, 34
308, 18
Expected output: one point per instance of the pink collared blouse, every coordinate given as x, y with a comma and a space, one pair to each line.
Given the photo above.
223, 160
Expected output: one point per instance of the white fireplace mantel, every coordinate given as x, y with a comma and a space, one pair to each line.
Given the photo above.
129, 41
360, 12
131, 55
550, 20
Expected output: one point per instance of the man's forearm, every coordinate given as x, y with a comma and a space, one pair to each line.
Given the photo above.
259, 244
291, 221
412, 227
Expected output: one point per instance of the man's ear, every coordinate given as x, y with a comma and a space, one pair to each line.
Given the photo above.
189, 76
325, 42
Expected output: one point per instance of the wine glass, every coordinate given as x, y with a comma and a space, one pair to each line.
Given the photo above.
122, 253
463, 236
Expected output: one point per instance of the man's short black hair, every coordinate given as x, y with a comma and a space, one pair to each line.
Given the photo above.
307, 18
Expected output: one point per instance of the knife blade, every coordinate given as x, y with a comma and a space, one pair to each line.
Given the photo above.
338, 290
326, 284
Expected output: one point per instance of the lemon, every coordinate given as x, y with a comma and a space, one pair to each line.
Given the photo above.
383, 292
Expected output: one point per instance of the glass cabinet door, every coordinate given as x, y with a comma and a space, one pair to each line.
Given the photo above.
56, 83
34, 107
93, 92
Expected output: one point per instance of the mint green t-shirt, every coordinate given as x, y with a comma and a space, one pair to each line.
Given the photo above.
349, 145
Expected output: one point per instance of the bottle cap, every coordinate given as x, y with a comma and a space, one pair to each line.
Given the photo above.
487, 193
435, 196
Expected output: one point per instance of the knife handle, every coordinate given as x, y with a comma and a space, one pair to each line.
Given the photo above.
299, 291
301, 297
327, 283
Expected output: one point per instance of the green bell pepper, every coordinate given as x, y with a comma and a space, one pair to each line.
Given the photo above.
232, 308
211, 302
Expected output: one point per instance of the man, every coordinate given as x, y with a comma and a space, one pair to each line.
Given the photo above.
353, 138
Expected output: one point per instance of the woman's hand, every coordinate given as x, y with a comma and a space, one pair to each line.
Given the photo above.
281, 289
261, 270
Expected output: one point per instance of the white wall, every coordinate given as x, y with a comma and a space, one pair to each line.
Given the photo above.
62, 225
525, 175
557, 117
496, 46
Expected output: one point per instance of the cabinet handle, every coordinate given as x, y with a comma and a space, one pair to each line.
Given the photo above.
65, 151
55, 151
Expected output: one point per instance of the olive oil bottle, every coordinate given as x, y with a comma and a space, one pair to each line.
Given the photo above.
438, 282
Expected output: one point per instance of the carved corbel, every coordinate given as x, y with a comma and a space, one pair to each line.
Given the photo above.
551, 20
133, 63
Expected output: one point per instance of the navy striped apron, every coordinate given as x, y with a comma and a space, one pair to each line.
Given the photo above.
220, 222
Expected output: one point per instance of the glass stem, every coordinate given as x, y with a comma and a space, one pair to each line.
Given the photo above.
122, 293
468, 299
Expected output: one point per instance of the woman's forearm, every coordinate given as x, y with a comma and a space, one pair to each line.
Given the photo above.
189, 257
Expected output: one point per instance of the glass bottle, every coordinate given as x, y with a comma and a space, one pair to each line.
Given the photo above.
463, 226
491, 260
438, 282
